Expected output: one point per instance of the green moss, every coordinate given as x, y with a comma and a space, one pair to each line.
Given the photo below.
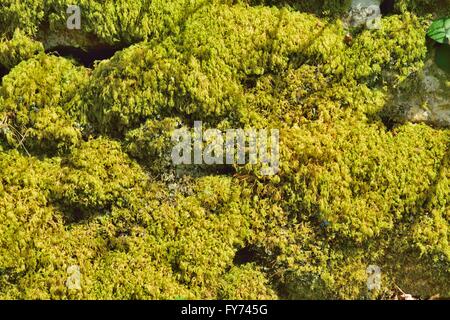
25, 15
29, 224
319, 7
439, 8
151, 143
123, 21
35, 104
98, 189
110, 22
201, 74
89, 185
161, 82
246, 282
18, 49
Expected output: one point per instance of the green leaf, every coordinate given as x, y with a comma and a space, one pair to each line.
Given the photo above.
440, 30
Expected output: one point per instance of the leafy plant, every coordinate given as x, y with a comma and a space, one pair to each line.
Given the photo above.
440, 31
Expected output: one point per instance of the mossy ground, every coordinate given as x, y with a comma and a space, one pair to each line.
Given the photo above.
86, 177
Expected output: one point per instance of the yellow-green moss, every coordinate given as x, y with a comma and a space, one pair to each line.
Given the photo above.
35, 104
18, 49
86, 177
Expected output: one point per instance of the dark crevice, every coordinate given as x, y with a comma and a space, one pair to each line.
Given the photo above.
388, 122
88, 57
250, 82
77, 213
3, 72
389, 118
387, 7
245, 255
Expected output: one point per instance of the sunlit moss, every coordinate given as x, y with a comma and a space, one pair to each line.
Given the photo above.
86, 177
35, 104
19, 48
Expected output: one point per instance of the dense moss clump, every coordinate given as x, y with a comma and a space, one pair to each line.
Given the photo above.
25, 15
201, 74
87, 185
319, 7
19, 48
151, 144
35, 99
109, 22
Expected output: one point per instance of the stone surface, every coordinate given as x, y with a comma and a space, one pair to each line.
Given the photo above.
424, 97
365, 13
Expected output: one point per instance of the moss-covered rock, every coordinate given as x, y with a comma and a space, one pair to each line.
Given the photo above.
87, 183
